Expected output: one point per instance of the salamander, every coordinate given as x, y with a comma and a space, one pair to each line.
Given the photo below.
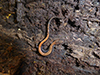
51, 46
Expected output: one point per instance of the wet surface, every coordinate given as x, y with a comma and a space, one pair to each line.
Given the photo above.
23, 26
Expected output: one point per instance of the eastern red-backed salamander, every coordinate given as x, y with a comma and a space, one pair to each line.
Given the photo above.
51, 46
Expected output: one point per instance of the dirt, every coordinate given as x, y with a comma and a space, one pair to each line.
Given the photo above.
23, 26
